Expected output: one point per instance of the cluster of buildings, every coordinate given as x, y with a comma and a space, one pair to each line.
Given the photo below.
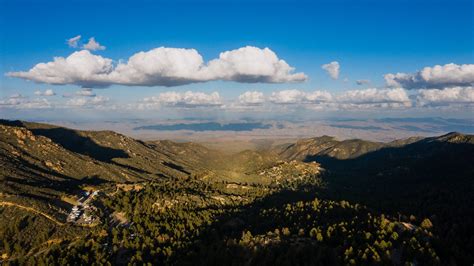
82, 212
74, 214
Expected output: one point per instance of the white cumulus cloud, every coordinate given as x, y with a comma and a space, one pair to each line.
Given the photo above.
318, 97
287, 97
366, 98
436, 77
373, 97
188, 99
448, 96
332, 69
17, 101
163, 67
300, 97
81, 68
251, 98
252, 64
160, 66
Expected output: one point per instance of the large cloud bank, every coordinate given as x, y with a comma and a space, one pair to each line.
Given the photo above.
163, 67
436, 77
372, 97
448, 96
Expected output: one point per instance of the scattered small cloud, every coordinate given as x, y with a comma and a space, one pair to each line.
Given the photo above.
361, 82
37, 103
74, 41
17, 96
332, 69
48, 92
93, 45
85, 92
88, 102
10, 102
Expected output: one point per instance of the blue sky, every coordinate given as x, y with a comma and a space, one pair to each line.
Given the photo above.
367, 38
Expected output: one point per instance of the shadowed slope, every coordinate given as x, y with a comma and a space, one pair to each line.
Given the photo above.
73, 141
431, 177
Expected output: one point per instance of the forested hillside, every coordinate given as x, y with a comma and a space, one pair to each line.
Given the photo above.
98, 197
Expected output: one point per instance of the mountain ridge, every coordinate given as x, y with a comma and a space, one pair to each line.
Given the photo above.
79, 188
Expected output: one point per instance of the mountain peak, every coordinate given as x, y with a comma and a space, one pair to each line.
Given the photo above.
456, 137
